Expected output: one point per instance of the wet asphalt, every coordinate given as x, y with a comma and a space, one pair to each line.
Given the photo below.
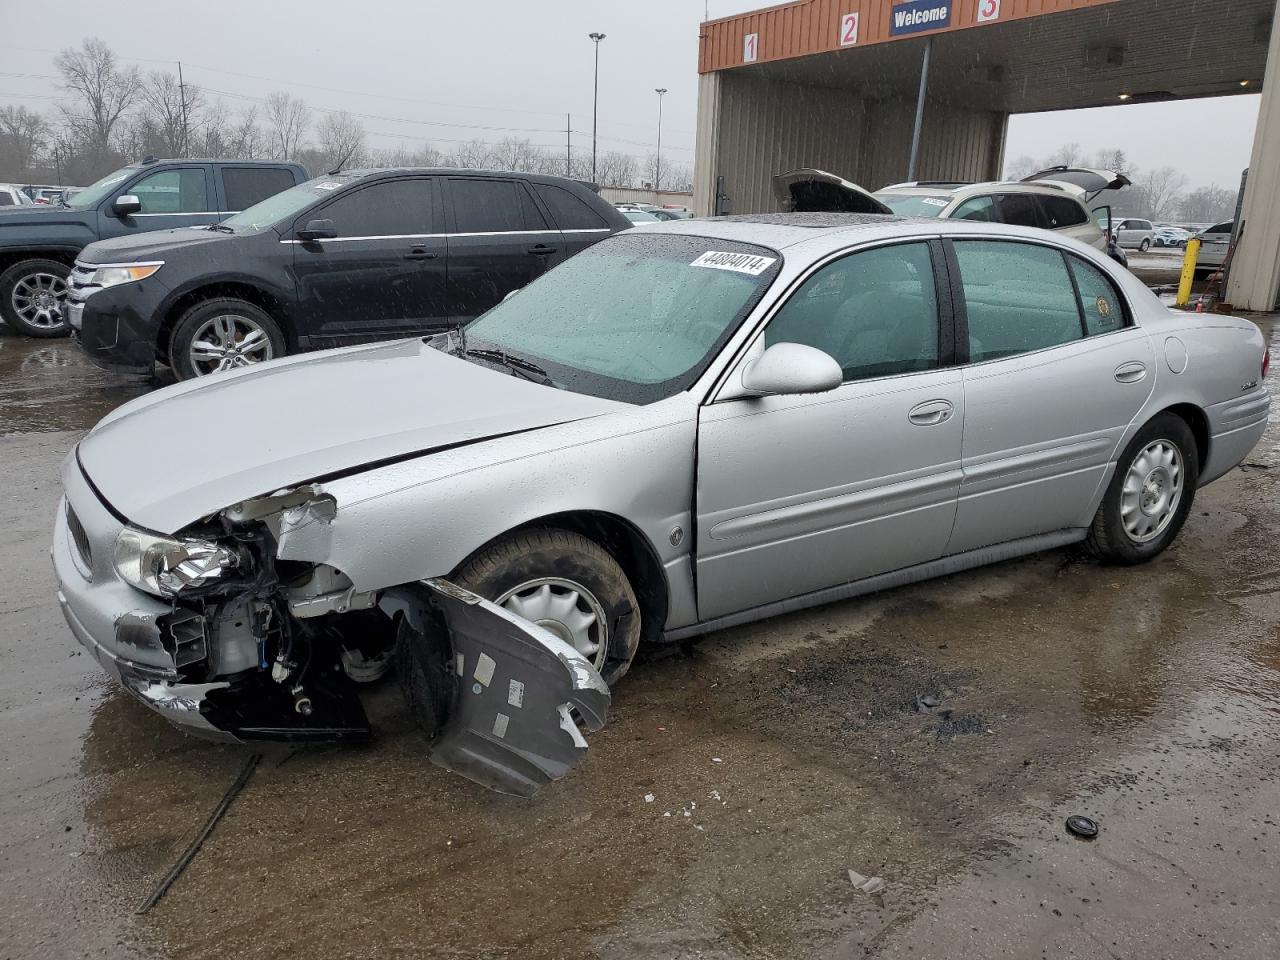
778, 757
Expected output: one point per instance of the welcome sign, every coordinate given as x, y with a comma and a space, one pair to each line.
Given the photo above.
916, 16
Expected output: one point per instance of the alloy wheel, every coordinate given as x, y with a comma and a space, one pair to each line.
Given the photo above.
1152, 491
37, 299
226, 342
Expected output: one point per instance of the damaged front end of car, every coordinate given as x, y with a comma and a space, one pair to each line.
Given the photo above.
267, 641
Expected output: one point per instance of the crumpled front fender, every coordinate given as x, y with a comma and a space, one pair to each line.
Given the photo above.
512, 724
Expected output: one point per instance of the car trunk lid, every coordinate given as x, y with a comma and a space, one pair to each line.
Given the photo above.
808, 190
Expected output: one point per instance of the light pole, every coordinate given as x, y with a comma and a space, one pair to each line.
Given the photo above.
595, 103
657, 163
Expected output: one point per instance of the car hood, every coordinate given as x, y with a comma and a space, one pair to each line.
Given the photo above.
151, 244
815, 191
44, 214
188, 451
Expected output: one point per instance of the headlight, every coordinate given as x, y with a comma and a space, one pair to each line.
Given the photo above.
164, 566
123, 273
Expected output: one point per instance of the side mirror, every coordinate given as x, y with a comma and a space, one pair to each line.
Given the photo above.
317, 230
787, 368
126, 205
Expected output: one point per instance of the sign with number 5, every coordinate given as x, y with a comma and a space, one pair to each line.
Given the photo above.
988, 10
750, 47
848, 30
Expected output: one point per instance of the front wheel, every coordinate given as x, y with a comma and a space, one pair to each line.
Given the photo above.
1148, 499
32, 293
223, 334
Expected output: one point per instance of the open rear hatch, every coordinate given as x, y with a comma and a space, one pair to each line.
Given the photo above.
1087, 180
815, 191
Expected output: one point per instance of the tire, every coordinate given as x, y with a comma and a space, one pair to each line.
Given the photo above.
227, 324
1144, 246
1117, 534
24, 289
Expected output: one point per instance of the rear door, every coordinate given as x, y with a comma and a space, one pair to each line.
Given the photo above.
176, 196
1055, 374
243, 185
580, 226
499, 241
384, 273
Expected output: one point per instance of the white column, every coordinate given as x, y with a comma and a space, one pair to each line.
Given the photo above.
1255, 269
706, 148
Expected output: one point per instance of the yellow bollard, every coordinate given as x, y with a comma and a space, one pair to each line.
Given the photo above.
1188, 272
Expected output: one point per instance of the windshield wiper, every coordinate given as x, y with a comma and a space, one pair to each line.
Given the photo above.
521, 367
220, 227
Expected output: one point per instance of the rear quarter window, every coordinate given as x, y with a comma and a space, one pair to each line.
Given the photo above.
1104, 309
568, 211
1063, 212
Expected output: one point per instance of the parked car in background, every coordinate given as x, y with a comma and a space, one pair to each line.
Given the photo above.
1215, 241
345, 258
654, 440
39, 244
1136, 233
48, 195
11, 195
639, 216
1171, 237
668, 213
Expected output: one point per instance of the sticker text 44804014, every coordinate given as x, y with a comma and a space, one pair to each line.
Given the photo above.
748, 263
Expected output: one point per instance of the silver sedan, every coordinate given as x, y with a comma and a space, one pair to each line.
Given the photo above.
698, 425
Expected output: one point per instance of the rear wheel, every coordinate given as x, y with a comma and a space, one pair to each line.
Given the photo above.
223, 334
31, 297
1145, 245
1148, 499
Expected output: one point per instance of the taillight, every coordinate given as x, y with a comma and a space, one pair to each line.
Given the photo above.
1266, 362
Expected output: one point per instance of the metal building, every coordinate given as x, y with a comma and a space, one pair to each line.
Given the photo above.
847, 85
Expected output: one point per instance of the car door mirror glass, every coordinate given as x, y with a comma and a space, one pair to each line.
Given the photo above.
317, 230
789, 368
125, 205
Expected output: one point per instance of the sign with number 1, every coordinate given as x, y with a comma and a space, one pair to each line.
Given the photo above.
750, 47
988, 10
848, 30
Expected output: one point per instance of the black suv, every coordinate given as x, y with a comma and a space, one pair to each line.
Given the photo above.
345, 258
38, 244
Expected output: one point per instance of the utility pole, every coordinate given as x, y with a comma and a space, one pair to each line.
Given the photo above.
915, 130
657, 163
186, 131
595, 103
568, 146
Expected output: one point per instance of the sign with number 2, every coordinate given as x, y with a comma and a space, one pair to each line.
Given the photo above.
750, 47
848, 29
988, 10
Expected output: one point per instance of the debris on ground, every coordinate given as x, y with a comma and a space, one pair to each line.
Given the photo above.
1082, 827
869, 885
648, 798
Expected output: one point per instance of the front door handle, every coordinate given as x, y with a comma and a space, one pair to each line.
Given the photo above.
541, 250
421, 253
931, 413
1131, 372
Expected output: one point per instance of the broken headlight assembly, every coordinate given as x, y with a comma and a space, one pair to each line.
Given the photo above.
166, 567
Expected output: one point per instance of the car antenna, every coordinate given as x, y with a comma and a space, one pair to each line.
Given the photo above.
341, 163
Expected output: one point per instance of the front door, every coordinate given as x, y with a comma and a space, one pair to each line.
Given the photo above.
1056, 374
384, 273
798, 493
499, 241
172, 197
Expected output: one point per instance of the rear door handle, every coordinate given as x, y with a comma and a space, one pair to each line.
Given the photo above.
1131, 372
541, 250
421, 253
931, 413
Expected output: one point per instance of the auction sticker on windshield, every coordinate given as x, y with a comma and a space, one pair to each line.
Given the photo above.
738, 262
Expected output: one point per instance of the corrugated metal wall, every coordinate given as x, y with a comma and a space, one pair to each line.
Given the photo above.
749, 130
813, 26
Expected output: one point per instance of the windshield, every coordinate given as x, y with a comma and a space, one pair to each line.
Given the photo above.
287, 203
913, 205
636, 318
92, 195
640, 216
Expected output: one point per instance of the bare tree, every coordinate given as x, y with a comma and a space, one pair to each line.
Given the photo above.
23, 135
1021, 167
1159, 192
339, 142
473, 154
511, 153
1067, 155
1208, 204
616, 169
1117, 161
287, 121
102, 89
175, 111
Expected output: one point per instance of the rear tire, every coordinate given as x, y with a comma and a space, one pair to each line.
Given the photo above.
223, 334
1144, 246
32, 293
1150, 495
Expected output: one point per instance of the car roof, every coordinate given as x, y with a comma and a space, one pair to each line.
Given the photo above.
456, 172
989, 186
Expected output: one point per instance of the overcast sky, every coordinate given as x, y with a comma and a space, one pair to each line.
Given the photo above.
441, 71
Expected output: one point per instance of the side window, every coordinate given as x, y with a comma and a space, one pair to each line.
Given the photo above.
1021, 209
493, 206
876, 312
570, 212
173, 191
1221, 227
977, 208
245, 186
1099, 299
1018, 298
393, 208
6, 199
1063, 212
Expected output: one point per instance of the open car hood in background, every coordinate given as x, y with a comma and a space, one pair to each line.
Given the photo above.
1092, 182
815, 191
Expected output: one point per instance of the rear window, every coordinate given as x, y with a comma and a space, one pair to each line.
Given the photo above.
493, 206
1221, 227
1021, 209
568, 211
1063, 212
246, 186
913, 205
